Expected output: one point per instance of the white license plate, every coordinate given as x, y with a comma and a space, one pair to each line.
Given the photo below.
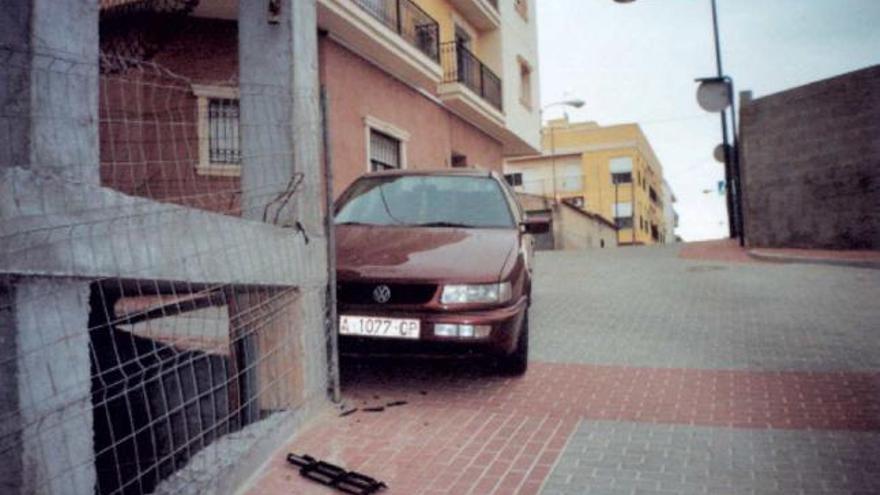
369, 326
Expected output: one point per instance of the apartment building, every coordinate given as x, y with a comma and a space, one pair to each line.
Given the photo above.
429, 83
611, 171
408, 84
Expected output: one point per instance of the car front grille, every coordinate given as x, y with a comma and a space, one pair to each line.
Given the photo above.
363, 293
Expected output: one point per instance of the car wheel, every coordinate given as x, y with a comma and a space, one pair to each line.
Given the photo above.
516, 363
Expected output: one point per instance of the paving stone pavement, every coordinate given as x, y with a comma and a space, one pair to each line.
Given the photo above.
623, 457
650, 373
648, 307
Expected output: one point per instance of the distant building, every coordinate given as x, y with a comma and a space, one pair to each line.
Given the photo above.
609, 171
572, 227
670, 215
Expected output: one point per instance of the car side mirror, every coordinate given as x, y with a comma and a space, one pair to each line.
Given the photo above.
535, 225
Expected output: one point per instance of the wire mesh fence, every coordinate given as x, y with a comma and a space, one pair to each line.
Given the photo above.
161, 289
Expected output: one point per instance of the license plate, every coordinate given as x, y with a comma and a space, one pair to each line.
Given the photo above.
369, 326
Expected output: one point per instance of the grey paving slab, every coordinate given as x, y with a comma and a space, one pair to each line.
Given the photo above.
605, 457
647, 307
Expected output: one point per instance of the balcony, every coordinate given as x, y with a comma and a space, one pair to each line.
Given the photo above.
397, 35
471, 89
460, 65
482, 14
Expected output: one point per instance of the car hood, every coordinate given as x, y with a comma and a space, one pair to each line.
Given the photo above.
422, 253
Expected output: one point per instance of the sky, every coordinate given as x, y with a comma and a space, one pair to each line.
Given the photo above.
637, 62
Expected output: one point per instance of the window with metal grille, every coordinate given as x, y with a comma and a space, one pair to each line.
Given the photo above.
223, 140
384, 151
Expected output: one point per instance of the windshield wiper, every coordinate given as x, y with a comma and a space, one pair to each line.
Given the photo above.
352, 223
443, 224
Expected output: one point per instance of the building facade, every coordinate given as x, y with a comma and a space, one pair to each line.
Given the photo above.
670, 214
408, 84
611, 171
428, 83
573, 228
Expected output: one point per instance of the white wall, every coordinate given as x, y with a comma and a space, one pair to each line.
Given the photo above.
519, 38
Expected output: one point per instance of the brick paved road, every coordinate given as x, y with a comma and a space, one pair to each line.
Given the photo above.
650, 374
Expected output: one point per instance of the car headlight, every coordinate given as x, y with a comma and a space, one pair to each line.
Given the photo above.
475, 293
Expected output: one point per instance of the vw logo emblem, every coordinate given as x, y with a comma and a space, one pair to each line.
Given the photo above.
381, 294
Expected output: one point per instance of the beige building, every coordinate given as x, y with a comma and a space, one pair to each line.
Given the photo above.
610, 171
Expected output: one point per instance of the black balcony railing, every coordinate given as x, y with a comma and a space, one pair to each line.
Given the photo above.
461, 65
409, 21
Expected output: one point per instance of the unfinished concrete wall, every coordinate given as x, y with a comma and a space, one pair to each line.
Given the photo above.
48, 54
46, 407
811, 164
82, 391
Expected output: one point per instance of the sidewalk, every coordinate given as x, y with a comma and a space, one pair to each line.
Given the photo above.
729, 250
860, 259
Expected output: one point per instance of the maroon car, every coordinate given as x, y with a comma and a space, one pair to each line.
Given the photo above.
434, 262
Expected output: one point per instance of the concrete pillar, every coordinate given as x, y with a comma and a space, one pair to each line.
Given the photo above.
49, 87
48, 124
280, 113
281, 150
45, 387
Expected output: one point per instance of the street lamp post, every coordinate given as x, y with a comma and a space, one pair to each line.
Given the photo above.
731, 153
575, 103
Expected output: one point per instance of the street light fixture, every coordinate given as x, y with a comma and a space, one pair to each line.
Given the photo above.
712, 91
574, 103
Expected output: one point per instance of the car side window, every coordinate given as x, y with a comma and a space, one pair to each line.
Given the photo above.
515, 207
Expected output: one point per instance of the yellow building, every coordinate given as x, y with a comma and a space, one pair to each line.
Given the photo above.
611, 171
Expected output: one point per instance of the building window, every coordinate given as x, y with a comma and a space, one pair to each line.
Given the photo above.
218, 130
621, 178
458, 160
572, 179
522, 7
224, 146
514, 179
525, 83
623, 222
386, 145
384, 151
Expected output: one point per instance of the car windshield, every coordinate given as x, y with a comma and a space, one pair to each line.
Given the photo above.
424, 200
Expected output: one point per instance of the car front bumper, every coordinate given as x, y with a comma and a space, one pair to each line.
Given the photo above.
505, 323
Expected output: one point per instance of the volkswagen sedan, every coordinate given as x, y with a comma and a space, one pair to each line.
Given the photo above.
435, 262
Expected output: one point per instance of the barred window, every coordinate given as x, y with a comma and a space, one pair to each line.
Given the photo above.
384, 151
223, 124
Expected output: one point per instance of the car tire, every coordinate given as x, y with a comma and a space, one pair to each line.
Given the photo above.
517, 362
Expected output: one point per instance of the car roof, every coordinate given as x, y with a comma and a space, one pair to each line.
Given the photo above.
467, 172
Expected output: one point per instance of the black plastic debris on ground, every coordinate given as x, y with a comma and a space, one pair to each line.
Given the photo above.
396, 403
334, 476
374, 409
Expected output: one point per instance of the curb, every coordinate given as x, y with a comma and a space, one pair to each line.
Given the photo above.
759, 254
